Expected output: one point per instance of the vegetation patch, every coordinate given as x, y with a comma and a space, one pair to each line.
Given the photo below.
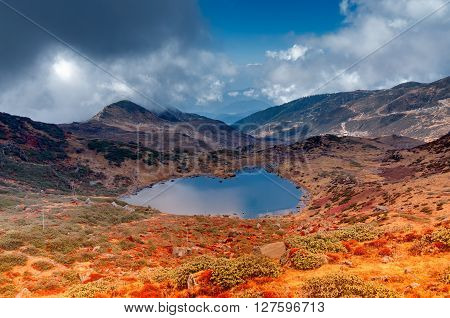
344, 286
305, 260
359, 232
227, 273
89, 290
42, 266
8, 261
317, 243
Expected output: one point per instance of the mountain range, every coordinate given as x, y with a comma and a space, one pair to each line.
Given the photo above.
166, 130
416, 110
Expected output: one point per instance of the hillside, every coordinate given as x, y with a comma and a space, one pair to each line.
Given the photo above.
419, 111
168, 130
376, 224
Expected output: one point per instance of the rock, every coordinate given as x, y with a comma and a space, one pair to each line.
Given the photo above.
277, 225
272, 250
24, 293
407, 270
84, 275
347, 262
381, 208
96, 248
114, 204
258, 226
386, 259
181, 251
88, 201
128, 208
414, 285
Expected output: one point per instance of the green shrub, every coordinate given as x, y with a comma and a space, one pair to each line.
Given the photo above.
359, 232
63, 245
441, 235
344, 286
317, 243
42, 265
227, 272
8, 261
126, 245
231, 272
305, 260
11, 241
7, 202
89, 290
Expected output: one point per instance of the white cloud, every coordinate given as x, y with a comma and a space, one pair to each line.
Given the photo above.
292, 54
420, 54
233, 94
250, 93
66, 88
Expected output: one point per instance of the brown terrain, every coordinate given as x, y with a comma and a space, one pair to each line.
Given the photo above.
376, 221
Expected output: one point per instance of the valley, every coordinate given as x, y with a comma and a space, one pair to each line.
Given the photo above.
375, 220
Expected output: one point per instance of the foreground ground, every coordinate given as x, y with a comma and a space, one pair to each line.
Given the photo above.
376, 224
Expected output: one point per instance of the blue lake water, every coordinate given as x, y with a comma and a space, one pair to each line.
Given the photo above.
251, 193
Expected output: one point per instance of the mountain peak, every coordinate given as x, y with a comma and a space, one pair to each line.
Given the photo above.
125, 111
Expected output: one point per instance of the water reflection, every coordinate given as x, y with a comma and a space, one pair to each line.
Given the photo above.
251, 193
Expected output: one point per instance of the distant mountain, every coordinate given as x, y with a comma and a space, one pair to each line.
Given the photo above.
166, 130
416, 110
233, 106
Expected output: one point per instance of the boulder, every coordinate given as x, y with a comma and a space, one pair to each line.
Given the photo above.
24, 293
381, 208
272, 250
181, 251
128, 208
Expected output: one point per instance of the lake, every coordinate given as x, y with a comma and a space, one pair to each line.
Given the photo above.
250, 194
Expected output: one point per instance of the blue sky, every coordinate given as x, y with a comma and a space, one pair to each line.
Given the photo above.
246, 29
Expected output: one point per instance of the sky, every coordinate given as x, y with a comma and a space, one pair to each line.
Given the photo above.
63, 61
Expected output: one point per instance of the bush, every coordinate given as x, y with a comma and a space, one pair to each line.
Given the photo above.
227, 272
89, 290
360, 232
442, 236
42, 266
432, 242
305, 260
11, 241
317, 243
344, 286
8, 261
445, 276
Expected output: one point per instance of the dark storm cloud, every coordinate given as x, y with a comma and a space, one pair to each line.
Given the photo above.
101, 29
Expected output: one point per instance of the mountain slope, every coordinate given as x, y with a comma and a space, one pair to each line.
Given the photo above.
170, 129
420, 111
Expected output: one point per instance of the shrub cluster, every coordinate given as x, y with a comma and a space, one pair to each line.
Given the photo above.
11, 241
432, 242
227, 273
359, 232
317, 243
89, 290
8, 261
344, 286
442, 236
305, 260
42, 266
